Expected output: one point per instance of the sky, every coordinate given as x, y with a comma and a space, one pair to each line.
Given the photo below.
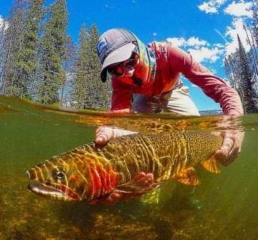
206, 29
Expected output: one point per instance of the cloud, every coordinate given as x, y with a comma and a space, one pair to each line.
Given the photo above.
1, 21
201, 50
3, 24
240, 9
211, 6
237, 28
206, 54
240, 12
179, 42
192, 41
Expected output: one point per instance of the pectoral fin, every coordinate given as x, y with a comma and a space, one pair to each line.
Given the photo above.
187, 176
211, 165
141, 183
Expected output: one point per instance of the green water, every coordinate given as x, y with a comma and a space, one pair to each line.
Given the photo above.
223, 207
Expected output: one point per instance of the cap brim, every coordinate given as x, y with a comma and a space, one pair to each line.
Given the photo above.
119, 55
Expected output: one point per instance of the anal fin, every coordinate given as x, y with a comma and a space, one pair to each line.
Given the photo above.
187, 176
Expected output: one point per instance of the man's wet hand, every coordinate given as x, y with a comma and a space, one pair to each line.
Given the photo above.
231, 146
105, 133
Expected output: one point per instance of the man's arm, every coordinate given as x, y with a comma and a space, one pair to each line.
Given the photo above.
219, 91
212, 86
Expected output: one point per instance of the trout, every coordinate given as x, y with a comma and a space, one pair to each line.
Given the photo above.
91, 171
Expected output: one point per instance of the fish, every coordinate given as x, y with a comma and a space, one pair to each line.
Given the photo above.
91, 171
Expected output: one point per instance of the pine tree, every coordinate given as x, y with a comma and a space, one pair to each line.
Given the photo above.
246, 84
2, 52
255, 22
52, 53
231, 70
99, 94
27, 62
12, 45
69, 62
81, 67
254, 40
253, 54
88, 90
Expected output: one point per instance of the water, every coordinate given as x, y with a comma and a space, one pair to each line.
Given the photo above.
224, 206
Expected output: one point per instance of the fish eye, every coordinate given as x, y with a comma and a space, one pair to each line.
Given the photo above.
60, 175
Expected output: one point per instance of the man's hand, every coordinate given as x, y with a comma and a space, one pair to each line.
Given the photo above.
105, 133
231, 146
233, 137
125, 110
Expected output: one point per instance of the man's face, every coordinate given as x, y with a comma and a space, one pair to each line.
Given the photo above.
124, 71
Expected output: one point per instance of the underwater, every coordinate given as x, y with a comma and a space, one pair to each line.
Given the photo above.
223, 206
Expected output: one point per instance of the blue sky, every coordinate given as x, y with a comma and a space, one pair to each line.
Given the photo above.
206, 29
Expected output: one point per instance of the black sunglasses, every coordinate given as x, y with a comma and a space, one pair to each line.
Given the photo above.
118, 69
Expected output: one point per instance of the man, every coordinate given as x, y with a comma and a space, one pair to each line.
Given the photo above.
147, 80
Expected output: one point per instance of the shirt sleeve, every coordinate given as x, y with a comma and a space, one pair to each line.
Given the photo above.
211, 85
121, 95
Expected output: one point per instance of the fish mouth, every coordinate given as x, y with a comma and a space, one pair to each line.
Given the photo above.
48, 191
52, 191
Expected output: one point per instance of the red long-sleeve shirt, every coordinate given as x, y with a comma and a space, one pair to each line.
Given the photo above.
170, 63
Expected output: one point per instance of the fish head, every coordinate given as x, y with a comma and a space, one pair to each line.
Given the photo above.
59, 178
